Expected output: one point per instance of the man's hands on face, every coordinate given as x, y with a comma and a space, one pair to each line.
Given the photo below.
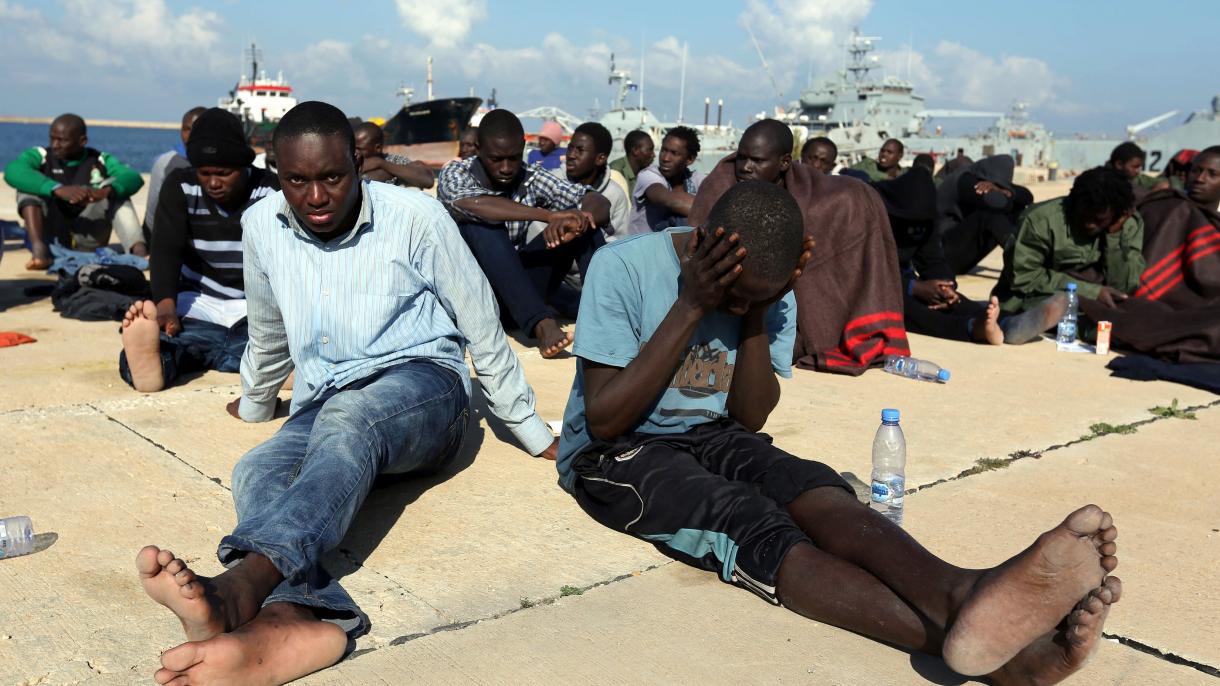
936, 294
77, 195
985, 187
711, 262
1117, 226
565, 226
1110, 297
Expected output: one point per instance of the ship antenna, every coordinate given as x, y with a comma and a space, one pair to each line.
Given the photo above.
429, 77
682, 85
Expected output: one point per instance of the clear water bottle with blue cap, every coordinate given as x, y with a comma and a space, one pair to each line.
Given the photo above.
915, 369
889, 467
1065, 333
16, 536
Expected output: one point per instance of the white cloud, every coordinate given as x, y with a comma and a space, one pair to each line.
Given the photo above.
798, 36
443, 23
977, 80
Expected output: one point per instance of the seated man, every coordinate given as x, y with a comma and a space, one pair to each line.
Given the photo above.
548, 153
196, 319
821, 153
494, 198
398, 170
931, 304
639, 156
1174, 313
664, 192
850, 315
978, 209
74, 195
1128, 159
678, 349
163, 165
886, 164
1093, 238
468, 143
586, 164
383, 388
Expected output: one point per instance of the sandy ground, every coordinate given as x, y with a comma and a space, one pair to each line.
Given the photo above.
490, 574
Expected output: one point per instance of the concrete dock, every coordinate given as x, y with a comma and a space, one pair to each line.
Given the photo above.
490, 574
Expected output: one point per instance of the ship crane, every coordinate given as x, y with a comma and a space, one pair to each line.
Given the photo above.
1134, 129
566, 120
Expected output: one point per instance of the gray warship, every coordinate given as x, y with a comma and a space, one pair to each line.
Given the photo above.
859, 112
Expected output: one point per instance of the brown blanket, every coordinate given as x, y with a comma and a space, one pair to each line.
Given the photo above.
849, 299
1174, 314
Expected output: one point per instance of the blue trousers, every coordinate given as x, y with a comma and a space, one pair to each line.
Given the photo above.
297, 493
200, 346
524, 280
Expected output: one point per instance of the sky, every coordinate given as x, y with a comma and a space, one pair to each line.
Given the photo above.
1082, 67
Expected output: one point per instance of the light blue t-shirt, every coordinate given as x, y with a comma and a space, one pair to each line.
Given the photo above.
629, 289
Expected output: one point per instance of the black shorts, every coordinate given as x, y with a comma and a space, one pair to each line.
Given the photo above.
714, 497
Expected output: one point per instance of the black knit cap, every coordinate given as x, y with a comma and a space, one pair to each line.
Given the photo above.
218, 140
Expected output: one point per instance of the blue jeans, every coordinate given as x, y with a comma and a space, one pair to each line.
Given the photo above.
524, 280
198, 347
297, 493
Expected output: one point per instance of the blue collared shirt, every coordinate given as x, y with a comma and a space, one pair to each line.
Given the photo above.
400, 285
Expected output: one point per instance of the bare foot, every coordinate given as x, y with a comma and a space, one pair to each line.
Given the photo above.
1027, 596
987, 329
142, 343
138, 249
1029, 325
284, 642
1064, 651
551, 339
170, 582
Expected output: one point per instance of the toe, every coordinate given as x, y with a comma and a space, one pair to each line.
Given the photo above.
1108, 549
1108, 534
1115, 586
1085, 521
146, 561
150, 309
1109, 564
166, 677
175, 565
184, 577
164, 557
183, 657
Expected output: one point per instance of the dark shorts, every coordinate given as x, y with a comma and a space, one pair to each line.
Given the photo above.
715, 497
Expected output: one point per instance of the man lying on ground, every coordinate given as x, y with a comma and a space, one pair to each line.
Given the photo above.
196, 319
383, 389
821, 153
886, 164
163, 165
493, 197
931, 303
74, 195
978, 210
1093, 238
398, 170
639, 156
664, 192
678, 347
850, 314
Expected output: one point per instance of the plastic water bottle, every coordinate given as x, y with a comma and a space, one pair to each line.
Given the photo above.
889, 467
16, 536
1065, 333
915, 369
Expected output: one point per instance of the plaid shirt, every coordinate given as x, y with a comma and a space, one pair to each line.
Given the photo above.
535, 187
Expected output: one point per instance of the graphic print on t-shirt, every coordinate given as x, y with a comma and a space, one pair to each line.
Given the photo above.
705, 371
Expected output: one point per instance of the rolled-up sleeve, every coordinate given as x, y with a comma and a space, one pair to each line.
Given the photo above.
454, 183
266, 363
464, 293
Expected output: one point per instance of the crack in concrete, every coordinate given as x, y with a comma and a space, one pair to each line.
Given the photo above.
457, 626
993, 464
347, 554
1163, 655
214, 479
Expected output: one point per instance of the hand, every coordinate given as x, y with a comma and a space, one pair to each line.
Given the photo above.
1110, 297
551, 452
985, 187
167, 317
1117, 226
565, 226
100, 194
232, 408
936, 294
711, 262
77, 195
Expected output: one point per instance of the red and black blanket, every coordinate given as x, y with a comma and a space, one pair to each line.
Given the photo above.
1174, 313
849, 298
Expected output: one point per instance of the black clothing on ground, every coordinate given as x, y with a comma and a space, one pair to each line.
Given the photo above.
1204, 375
198, 246
99, 292
716, 492
972, 225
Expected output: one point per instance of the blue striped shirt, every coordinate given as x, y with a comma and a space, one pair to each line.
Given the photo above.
401, 285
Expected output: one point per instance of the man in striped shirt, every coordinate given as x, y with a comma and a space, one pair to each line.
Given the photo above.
367, 291
196, 319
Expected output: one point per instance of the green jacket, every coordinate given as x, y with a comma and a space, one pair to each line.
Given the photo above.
1145, 181
1037, 263
24, 174
620, 165
869, 166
